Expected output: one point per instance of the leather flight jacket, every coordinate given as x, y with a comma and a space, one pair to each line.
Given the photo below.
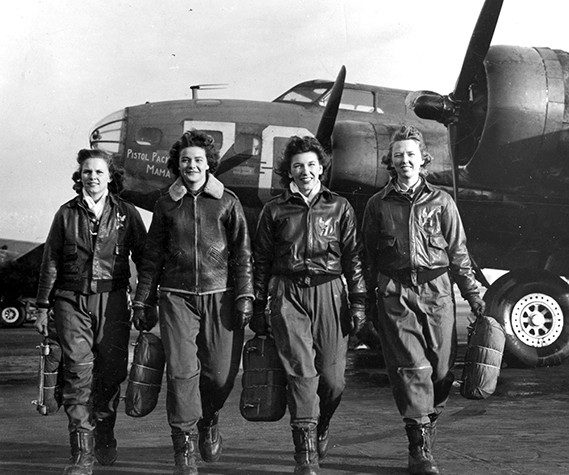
308, 244
89, 257
411, 240
197, 244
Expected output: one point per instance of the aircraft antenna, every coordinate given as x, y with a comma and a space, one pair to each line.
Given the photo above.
195, 88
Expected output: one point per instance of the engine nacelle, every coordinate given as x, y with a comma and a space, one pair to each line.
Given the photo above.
524, 141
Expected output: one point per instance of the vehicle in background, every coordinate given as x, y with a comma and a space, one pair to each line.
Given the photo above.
19, 267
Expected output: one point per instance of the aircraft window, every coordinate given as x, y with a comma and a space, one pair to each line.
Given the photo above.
106, 134
217, 138
247, 144
304, 94
148, 136
357, 100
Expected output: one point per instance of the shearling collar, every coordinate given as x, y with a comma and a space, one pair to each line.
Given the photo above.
213, 187
391, 187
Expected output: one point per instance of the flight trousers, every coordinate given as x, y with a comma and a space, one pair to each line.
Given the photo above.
310, 327
417, 328
94, 332
203, 352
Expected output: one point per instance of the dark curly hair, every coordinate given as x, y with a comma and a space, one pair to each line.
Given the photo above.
194, 138
407, 132
115, 171
296, 145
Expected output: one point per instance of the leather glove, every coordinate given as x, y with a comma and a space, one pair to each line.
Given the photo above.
477, 305
358, 318
243, 311
144, 318
41, 321
258, 323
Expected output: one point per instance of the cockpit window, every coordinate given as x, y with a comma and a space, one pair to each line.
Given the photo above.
304, 93
355, 99
148, 136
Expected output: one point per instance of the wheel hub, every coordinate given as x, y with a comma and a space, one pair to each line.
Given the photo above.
10, 314
537, 320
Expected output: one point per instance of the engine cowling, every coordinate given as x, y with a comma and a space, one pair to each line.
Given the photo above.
515, 133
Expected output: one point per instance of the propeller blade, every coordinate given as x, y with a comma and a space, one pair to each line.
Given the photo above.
477, 48
326, 126
452, 145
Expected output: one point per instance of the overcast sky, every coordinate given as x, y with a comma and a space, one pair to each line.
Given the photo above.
66, 64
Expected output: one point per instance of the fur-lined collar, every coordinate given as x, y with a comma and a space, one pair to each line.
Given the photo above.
213, 187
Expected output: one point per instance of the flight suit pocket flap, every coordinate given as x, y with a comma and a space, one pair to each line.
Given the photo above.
438, 241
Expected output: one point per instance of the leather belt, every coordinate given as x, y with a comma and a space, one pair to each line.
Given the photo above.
405, 276
307, 280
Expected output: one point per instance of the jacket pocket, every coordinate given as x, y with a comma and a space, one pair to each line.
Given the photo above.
216, 255
70, 260
334, 250
177, 261
438, 241
437, 252
387, 250
69, 252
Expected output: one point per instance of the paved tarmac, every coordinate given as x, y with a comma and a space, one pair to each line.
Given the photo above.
522, 428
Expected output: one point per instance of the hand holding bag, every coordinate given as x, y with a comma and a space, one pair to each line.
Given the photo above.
50, 376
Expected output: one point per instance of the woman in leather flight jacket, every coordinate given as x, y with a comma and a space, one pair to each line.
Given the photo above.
413, 239
85, 271
306, 241
198, 252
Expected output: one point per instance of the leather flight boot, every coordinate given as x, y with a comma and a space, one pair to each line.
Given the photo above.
305, 450
323, 433
421, 461
210, 442
82, 457
105, 443
185, 453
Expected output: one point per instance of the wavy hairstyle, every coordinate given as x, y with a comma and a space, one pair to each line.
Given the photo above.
407, 132
194, 138
296, 145
116, 172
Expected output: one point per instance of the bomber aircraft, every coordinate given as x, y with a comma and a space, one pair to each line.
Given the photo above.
500, 142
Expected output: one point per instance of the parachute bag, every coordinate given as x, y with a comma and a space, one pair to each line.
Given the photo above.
486, 340
50, 376
263, 397
145, 376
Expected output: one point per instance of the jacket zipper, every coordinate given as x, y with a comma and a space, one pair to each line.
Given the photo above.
196, 273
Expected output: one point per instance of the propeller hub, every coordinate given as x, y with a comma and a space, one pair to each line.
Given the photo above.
433, 106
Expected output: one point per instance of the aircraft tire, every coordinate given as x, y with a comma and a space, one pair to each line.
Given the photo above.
12, 315
533, 308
